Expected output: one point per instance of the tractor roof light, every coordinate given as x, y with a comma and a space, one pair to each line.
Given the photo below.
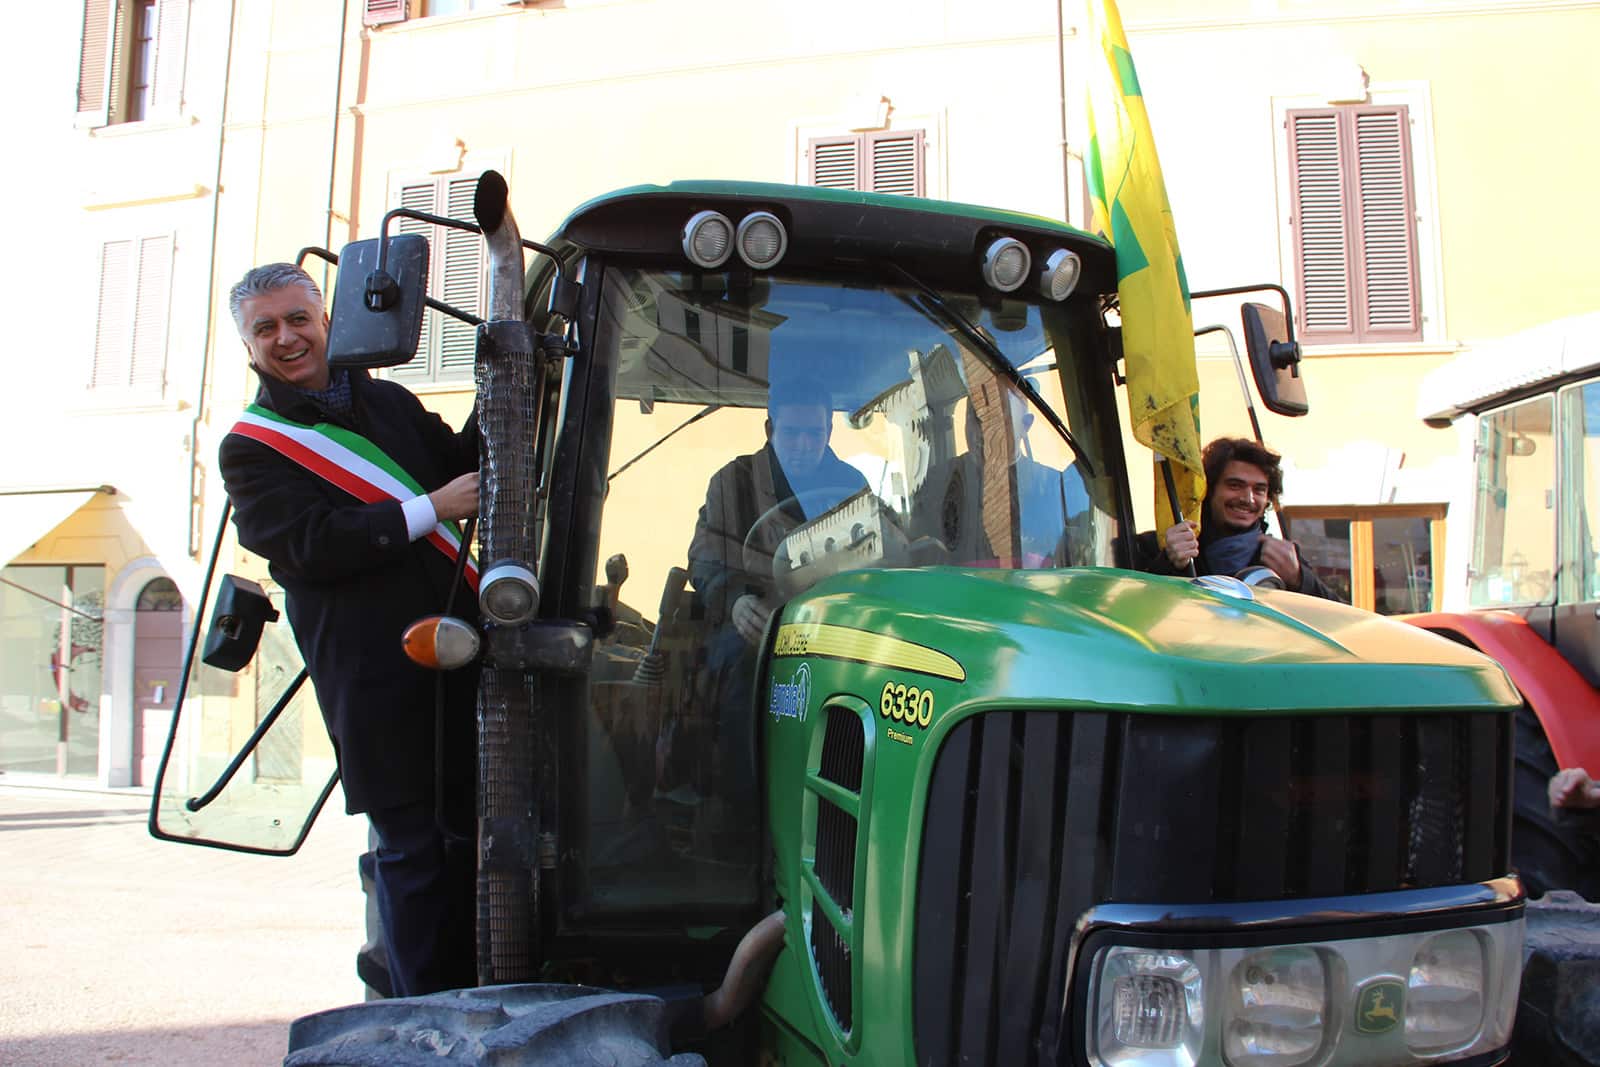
1005, 263
508, 593
1060, 274
708, 239
762, 240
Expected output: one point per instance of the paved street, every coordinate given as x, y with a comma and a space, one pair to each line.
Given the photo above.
118, 948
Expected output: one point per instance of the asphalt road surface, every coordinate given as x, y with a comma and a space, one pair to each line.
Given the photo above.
118, 948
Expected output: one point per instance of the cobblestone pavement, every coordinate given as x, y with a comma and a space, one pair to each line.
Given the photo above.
118, 948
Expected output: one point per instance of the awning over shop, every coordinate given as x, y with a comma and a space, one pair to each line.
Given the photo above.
26, 515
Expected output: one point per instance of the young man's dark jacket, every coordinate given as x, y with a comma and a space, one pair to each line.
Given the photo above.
1155, 561
355, 581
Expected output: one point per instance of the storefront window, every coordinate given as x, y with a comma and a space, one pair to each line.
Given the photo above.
1381, 557
51, 637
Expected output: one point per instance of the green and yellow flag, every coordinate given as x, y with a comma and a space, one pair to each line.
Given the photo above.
1131, 210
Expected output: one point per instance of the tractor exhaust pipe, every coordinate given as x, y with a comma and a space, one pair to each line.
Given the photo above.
509, 381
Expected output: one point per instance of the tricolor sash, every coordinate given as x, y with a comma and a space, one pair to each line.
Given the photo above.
351, 462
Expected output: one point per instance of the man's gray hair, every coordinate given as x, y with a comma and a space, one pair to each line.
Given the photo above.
267, 278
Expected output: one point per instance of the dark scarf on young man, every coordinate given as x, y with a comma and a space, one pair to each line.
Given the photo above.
1231, 553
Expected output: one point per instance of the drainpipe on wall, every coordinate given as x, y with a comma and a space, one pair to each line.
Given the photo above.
333, 148
1066, 154
211, 296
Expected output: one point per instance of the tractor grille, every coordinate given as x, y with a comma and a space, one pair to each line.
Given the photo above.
843, 752
1033, 817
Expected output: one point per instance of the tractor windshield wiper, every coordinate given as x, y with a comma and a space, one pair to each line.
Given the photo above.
931, 303
658, 442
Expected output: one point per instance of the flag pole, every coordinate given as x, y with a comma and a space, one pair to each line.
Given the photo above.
1172, 498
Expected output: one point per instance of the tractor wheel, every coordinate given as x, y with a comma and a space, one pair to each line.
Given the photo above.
506, 1026
1546, 856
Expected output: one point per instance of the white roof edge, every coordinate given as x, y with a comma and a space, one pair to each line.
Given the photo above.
1489, 369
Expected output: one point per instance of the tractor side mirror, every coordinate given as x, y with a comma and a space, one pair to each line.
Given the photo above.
377, 315
1274, 360
242, 610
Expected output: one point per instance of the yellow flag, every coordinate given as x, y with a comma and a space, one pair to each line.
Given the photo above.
1131, 210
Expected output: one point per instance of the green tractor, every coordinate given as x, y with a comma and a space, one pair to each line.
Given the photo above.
976, 790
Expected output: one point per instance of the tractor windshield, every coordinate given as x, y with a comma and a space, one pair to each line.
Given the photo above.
767, 432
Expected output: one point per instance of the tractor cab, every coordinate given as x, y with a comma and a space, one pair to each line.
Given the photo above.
764, 387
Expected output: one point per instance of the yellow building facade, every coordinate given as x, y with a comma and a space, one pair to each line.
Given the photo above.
1411, 167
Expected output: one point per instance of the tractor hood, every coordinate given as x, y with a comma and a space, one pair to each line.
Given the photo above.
1125, 640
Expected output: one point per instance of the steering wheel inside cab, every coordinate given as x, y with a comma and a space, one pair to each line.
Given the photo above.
859, 531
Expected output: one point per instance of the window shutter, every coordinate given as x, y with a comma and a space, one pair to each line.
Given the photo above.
835, 162
1321, 243
148, 359
1384, 224
114, 321
1353, 224
382, 12
462, 281
421, 197
172, 23
94, 62
894, 162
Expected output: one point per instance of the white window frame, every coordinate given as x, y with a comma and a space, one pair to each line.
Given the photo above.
397, 180
121, 392
935, 180
1425, 196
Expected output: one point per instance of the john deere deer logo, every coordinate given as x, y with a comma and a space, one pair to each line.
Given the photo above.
1378, 1008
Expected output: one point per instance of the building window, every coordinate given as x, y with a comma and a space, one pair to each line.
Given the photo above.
878, 161
1381, 557
130, 66
457, 275
50, 681
130, 337
141, 59
382, 12
1353, 224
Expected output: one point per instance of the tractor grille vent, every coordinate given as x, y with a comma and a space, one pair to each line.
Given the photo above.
843, 753
1033, 817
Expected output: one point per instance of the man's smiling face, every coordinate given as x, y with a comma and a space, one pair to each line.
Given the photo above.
1239, 498
286, 334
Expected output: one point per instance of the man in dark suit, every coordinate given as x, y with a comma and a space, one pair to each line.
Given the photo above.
350, 490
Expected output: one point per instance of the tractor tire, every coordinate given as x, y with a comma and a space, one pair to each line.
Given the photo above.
496, 1026
1547, 856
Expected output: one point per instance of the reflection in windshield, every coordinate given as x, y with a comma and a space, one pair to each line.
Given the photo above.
944, 441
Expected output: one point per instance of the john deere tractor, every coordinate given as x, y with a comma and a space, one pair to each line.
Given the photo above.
977, 790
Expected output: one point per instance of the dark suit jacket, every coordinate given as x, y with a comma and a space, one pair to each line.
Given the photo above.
354, 582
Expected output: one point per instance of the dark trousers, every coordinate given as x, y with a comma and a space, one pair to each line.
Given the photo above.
425, 888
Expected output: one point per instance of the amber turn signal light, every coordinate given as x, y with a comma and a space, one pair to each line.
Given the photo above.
441, 642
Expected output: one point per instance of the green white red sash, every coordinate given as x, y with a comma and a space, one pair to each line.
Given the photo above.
350, 462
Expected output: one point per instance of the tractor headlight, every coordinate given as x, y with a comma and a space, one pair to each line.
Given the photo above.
1400, 997
1005, 263
708, 239
508, 593
762, 240
1151, 1008
1444, 993
1060, 274
1277, 1008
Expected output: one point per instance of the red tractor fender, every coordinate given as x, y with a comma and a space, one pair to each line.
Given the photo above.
1568, 707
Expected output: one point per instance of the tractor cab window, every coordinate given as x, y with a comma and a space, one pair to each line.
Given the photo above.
768, 433
1580, 493
1515, 510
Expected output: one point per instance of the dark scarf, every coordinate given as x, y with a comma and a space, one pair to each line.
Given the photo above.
1230, 553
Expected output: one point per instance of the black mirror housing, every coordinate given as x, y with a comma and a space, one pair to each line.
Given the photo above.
1274, 360
242, 611
377, 316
